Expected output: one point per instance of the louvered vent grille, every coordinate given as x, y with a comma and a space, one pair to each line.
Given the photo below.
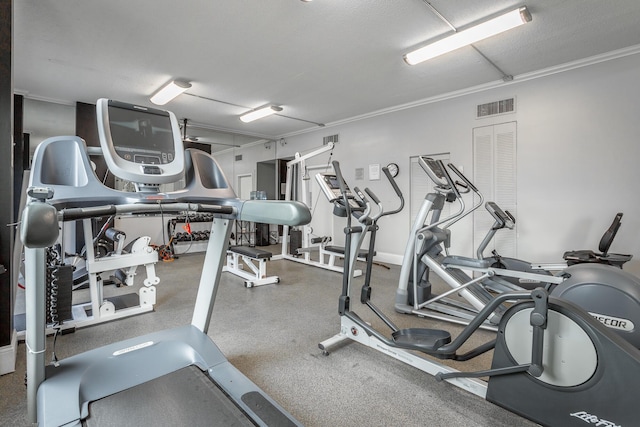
330, 138
496, 107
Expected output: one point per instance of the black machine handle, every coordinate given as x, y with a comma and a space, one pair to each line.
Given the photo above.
450, 182
362, 201
464, 178
357, 192
82, 213
464, 186
372, 195
394, 184
71, 214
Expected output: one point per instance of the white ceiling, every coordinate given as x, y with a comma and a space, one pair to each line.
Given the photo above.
323, 61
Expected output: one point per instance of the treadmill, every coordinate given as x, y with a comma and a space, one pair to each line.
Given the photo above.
171, 377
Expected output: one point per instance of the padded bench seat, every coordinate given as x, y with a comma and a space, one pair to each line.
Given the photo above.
251, 252
340, 250
251, 264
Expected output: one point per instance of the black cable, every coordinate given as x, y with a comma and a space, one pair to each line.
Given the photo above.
53, 260
164, 238
318, 195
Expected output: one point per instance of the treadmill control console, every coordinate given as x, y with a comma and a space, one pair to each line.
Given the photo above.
140, 144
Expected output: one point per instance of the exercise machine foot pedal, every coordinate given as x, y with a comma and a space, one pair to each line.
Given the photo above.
421, 339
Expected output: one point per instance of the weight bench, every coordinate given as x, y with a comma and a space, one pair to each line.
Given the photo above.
338, 251
255, 260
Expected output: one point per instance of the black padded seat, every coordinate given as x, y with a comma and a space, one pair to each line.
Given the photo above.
589, 256
340, 250
251, 252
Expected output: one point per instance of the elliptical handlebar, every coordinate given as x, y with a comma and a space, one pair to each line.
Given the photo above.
363, 211
437, 172
395, 187
393, 182
465, 187
380, 212
464, 178
362, 215
377, 200
372, 195
469, 185
451, 183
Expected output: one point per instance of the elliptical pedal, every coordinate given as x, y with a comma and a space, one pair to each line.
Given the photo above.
421, 339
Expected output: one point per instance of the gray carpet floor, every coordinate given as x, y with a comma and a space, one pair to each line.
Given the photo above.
271, 334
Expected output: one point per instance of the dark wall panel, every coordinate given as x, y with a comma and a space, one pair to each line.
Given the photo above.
6, 171
18, 152
87, 129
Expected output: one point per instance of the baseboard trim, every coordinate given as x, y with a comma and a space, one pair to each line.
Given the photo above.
388, 258
8, 355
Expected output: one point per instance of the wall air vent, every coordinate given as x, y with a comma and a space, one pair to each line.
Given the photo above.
503, 106
238, 157
330, 138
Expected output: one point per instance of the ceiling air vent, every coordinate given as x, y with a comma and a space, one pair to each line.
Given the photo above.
330, 138
238, 157
496, 107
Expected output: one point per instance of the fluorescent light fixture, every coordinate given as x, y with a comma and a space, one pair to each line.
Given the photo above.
169, 91
260, 113
472, 35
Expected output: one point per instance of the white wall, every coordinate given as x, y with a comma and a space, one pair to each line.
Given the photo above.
578, 148
251, 155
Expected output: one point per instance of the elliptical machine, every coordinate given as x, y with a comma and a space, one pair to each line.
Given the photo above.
553, 363
504, 219
609, 294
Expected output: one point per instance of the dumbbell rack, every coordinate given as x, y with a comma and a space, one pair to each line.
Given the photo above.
189, 233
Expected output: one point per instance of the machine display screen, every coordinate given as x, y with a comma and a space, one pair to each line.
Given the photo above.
332, 181
434, 169
141, 136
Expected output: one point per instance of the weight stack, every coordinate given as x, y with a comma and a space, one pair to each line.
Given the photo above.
262, 234
295, 241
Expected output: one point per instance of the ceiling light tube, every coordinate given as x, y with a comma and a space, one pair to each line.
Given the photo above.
169, 91
260, 113
472, 35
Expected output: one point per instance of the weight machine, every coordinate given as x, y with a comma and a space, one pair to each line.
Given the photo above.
298, 244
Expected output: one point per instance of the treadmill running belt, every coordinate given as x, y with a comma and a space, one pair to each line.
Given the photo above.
185, 397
